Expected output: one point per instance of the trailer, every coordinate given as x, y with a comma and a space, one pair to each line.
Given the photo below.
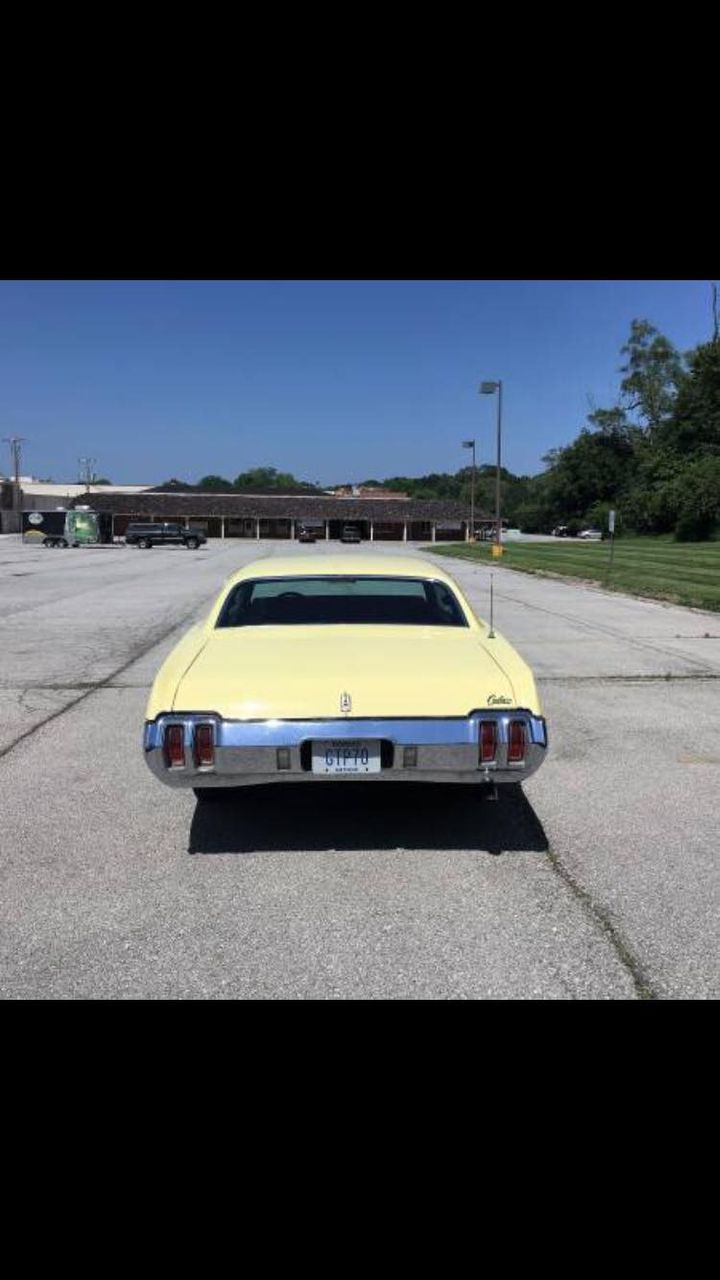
79, 527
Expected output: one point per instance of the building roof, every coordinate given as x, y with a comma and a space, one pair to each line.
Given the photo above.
175, 506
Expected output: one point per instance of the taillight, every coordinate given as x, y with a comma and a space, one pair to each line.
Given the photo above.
516, 741
174, 746
487, 740
204, 745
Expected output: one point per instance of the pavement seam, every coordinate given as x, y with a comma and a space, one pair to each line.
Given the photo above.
602, 918
663, 678
137, 654
613, 632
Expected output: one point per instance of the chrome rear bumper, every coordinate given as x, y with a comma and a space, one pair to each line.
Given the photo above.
250, 753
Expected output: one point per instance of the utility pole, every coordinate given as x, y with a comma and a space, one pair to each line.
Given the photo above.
15, 443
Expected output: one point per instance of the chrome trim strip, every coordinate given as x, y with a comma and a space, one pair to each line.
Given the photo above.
457, 731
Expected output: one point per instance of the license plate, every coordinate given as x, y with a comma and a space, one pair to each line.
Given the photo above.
348, 755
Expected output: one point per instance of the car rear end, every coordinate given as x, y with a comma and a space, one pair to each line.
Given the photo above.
343, 676
207, 751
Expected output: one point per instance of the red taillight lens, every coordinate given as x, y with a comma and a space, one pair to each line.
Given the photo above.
516, 741
175, 745
487, 740
204, 746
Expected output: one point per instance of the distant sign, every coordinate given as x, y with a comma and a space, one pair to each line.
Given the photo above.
35, 517
611, 522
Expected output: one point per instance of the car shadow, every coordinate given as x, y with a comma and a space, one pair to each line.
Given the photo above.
349, 816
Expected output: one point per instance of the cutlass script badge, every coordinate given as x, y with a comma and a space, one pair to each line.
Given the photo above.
498, 700
345, 702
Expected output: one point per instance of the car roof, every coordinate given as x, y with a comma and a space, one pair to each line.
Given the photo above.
342, 566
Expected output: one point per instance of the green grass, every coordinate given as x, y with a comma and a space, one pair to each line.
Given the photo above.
684, 573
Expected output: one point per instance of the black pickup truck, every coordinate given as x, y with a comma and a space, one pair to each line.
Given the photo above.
163, 535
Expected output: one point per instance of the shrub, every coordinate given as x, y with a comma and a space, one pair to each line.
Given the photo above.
693, 526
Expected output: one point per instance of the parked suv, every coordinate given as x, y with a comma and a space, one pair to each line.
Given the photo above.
350, 533
161, 535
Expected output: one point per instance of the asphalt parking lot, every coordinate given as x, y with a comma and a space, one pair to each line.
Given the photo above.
599, 881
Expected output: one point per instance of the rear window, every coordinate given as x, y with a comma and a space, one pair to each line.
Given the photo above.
323, 601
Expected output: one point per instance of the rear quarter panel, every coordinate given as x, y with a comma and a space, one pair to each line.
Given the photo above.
162, 694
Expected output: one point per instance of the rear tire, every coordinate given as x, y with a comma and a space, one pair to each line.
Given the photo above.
145, 543
191, 544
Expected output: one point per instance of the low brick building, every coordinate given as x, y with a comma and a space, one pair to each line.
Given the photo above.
276, 515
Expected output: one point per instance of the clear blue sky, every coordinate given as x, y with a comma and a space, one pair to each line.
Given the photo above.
331, 380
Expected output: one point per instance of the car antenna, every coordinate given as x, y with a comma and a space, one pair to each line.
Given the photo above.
491, 633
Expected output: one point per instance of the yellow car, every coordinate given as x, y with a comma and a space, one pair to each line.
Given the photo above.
314, 668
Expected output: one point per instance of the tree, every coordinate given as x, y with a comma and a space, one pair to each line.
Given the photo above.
180, 486
696, 490
652, 372
694, 424
261, 478
215, 483
597, 467
534, 515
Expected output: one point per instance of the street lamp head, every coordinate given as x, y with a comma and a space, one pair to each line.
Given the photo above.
488, 388
468, 444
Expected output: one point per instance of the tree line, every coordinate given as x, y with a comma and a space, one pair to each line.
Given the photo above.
257, 480
653, 456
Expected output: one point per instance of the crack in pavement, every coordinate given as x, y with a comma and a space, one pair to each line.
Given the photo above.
603, 919
663, 678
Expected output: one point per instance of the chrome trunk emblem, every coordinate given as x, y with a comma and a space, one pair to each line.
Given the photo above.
345, 702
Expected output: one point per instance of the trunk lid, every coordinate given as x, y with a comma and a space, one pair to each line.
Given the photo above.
299, 673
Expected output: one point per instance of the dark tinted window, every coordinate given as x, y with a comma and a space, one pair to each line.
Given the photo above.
324, 601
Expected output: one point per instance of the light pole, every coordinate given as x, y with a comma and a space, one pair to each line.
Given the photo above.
489, 389
470, 444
